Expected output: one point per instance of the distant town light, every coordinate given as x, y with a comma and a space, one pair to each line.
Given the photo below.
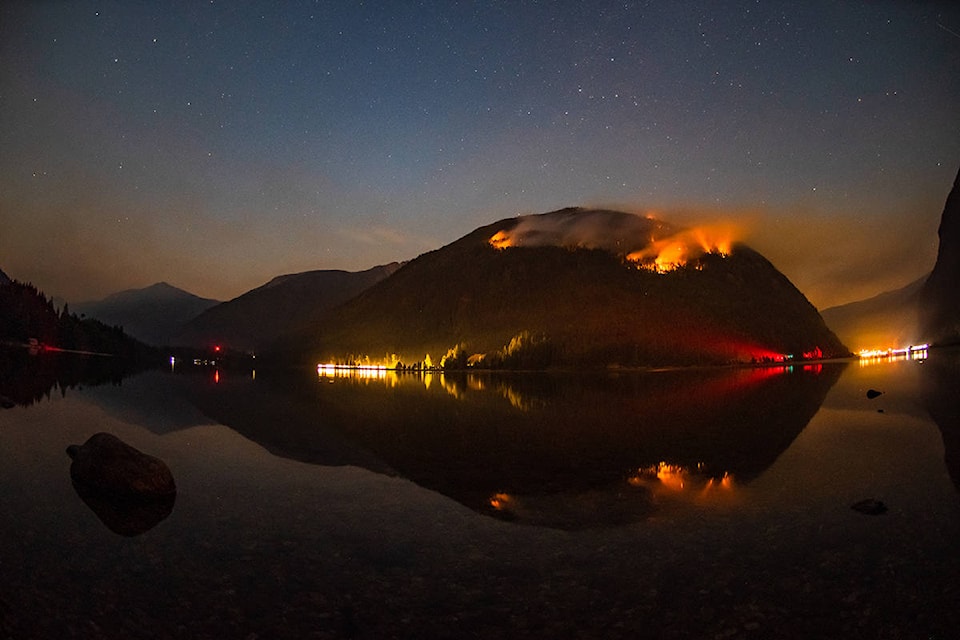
912, 352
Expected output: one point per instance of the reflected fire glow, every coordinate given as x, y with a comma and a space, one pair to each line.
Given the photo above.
676, 478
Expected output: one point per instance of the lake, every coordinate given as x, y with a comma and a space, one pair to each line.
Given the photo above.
709, 503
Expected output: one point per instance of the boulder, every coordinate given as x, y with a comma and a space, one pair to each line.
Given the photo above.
107, 465
127, 489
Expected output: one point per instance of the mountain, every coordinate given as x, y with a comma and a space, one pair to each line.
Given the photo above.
940, 304
577, 287
153, 314
4, 278
883, 321
286, 303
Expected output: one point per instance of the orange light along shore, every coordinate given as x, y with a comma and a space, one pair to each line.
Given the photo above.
329, 370
912, 352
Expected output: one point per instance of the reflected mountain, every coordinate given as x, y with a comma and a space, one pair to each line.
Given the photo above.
943, 402
281, 414
560, 450
155, 399
27, 379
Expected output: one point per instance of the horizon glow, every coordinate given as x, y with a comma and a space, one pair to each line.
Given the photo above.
216, 146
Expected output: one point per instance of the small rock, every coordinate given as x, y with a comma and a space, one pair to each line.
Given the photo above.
870, 507
873, 393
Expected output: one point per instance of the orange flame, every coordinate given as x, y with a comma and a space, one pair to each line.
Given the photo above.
660, 247
501, 240
670, 253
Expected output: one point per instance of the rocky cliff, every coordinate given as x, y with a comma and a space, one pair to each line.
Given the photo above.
940, 302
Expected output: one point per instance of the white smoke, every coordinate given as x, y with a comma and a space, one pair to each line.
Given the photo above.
614, 231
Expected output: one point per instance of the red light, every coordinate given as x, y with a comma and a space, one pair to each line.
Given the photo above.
216, 348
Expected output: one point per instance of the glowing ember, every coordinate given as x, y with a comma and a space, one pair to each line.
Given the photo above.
500, 501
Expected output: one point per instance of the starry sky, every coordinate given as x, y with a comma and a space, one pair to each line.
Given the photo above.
215, 145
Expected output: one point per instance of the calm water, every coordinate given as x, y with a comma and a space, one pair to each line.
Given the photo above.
674, 504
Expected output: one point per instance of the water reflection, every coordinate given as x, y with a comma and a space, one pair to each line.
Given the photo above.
943, 402
128, 516
25, 379
456, 384
562, 450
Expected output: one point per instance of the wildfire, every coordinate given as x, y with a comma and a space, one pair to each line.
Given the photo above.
676, 250
501, 240
646, 241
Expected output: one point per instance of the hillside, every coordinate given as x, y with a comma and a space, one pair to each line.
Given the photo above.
30, 321
285, 304
585, 301
153, 314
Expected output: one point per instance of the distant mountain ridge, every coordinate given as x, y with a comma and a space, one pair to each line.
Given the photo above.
591, 305
285, 304
924, 311
890, 319
153, 314
30, 321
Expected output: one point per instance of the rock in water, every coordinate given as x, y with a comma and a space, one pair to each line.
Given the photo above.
128, 490
107, 465
873, 393
870, 507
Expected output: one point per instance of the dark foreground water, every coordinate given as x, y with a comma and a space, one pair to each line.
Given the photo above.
713, 504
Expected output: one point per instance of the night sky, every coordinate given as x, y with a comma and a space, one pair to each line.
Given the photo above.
215, 145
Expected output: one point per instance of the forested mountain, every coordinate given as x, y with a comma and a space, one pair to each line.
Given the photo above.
576, 287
